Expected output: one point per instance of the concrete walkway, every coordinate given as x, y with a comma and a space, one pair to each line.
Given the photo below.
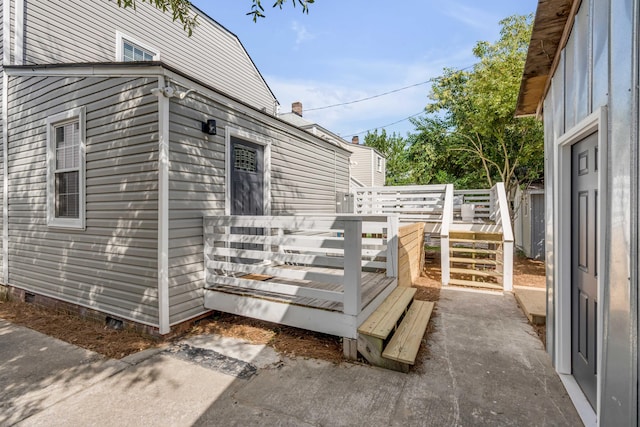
484, 366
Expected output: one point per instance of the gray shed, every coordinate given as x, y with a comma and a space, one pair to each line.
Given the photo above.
529, 221
581, 76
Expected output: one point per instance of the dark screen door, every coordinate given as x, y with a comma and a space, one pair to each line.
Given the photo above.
584, 286
247, 189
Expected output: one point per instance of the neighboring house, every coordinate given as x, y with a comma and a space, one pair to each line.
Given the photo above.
109, 166
529, 223
368, 166
582, 76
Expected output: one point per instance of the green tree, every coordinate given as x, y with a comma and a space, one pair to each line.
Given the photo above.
476, 111
181, 9
394, 149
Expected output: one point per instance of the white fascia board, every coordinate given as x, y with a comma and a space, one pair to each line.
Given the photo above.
88, 70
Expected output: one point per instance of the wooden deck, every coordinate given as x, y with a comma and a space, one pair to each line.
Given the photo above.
372, 285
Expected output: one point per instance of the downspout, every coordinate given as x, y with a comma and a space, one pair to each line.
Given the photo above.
6, 59
163, 209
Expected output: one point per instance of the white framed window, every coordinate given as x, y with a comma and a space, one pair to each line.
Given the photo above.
66, 169
129, 49
379, 163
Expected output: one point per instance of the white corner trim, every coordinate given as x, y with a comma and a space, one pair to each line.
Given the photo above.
163, 211
596, 122
255, 139
79, 114
5, 178
6, 32
19, 32
120, 37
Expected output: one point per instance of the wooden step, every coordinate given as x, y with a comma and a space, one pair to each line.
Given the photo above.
471, 272
485, 261
405, 342
385, 318
476, 236
473, 250
471, 283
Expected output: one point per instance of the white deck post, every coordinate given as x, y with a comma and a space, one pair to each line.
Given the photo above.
507, 272
352, 266
447, 218
392, 245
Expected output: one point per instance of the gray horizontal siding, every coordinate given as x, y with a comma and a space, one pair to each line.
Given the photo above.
361, 165
306, 173
112, 265
86, 32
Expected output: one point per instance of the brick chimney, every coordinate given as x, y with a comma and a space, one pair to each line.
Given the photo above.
296, 107
355, 140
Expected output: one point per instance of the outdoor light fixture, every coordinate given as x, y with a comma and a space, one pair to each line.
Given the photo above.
209, 127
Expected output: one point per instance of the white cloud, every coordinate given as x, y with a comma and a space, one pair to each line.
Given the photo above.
356, 80
301, 32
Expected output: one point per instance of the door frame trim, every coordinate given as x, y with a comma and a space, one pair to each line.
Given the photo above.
596, 122
255, 139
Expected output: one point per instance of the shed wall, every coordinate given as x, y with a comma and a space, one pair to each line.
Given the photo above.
361, 161
591, 75
110, 266
86, 32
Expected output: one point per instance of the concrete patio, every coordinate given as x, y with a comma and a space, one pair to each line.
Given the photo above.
484, 366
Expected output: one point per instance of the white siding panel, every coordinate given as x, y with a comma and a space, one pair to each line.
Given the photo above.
600, 43
361, 165
112, 265
86, 32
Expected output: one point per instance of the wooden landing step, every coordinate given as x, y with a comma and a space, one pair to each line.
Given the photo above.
480, 273
533, 302
391, 336
474, 284
463, 249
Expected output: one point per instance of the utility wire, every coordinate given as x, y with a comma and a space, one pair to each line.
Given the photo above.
384, 126
370, 97
431, 80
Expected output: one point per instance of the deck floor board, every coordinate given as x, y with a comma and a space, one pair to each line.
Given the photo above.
372, 285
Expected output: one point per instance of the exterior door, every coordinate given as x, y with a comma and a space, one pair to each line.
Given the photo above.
584, 285
537, 226
247, 188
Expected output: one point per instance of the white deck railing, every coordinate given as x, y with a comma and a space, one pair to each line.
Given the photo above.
503, 218
416, 203
447, 219
481, 199
297, 250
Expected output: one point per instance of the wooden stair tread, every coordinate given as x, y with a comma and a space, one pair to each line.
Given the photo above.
464, 240
405, 343
384, 319
471, 272
485, 261
461, 282
473, 250
486, 236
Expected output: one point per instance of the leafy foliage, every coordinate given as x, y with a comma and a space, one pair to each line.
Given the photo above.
180, 10
257, 10
470, 133
394, 149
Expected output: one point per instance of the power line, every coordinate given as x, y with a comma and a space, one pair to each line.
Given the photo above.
431, 80
370, 97
384, 126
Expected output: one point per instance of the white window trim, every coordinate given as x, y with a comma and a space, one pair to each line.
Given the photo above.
379, 163
121, 37
255, 139
78, 114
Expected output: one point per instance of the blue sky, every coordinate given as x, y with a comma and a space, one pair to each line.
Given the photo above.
348, 50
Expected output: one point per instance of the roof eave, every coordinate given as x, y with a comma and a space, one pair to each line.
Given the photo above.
551, 29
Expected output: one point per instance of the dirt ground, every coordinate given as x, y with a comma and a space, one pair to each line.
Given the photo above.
292, 342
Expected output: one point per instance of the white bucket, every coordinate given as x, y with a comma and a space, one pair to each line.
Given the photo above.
467, 212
